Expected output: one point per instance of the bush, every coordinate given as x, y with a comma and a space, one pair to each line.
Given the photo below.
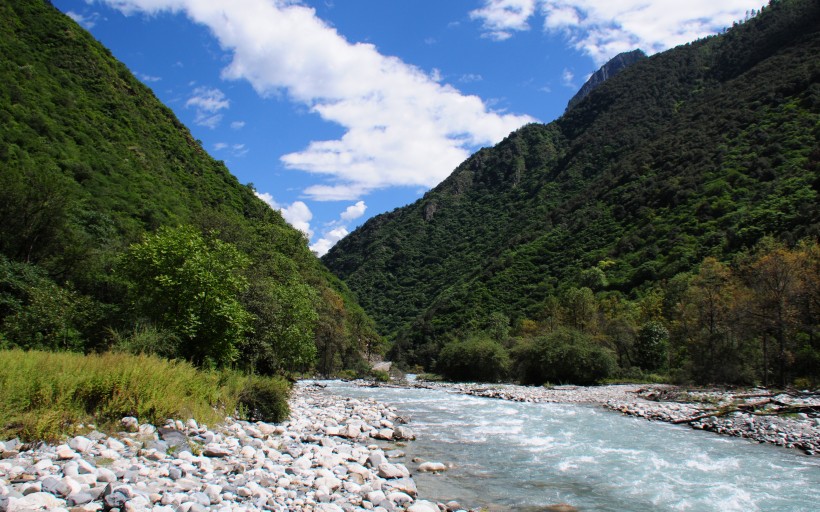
474, 359
565, 356
265, 399
380, 376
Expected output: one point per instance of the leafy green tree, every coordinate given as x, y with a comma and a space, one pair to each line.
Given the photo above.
284, 324
191, 285
581, 309
651, 346
477, 358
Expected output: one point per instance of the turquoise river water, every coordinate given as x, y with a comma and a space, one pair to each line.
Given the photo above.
521, 456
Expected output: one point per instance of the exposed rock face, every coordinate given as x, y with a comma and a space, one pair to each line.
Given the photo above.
615, 65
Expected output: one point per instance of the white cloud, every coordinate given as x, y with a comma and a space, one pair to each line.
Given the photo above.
323, 245
149, 78
604, 29
354, 211
220, 146
297, 214
87, 22
239, 150
567, 78
338, 229
470, 77
208, 101
268, 198
402, 128
500, 18
237, 125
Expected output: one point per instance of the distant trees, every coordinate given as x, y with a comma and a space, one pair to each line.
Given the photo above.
754, 320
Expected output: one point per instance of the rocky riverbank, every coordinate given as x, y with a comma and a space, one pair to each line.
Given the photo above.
788, 420
331, 456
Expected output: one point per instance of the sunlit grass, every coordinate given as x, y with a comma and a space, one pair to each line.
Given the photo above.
44, 395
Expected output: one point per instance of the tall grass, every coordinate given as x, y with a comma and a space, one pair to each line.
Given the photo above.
44, 395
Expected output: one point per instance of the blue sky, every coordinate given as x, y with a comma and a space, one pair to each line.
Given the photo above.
338, 110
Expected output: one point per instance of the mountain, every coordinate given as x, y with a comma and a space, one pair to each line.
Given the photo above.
91, 162
700, 151
615, 65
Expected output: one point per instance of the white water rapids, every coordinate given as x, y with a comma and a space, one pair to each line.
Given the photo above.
521, 456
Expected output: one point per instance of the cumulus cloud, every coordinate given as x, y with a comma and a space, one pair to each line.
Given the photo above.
323, 245
500, 18
354, 212
338, 229
604, 29
297, 214
207, 102
401, 126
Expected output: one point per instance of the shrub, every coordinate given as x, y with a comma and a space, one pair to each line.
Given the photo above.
265, 399
380, 376
475, 359
564, 356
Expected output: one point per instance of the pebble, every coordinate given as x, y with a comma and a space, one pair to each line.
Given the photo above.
325, 458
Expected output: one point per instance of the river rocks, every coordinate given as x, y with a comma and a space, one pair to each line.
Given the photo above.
130, 424
432, 467
316, 461
402, 433
702, 411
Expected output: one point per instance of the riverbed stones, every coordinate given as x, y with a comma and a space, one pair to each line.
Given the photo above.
432, 467
317, 460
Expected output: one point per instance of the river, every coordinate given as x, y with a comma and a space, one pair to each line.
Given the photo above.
521, 456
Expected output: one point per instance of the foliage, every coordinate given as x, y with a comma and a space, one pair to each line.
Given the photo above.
650, 346
380, 376
477, 358
39, 314
190, 285
265, 399
90, 164
46, 394
566, 356
698, 152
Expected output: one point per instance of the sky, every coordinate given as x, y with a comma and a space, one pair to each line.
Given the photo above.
339, 110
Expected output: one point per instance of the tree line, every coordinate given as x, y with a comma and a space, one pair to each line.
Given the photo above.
753, 320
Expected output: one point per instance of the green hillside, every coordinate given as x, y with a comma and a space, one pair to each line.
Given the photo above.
698, 152
91, 163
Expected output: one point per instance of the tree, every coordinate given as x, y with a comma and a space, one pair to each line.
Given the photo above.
191, 285
330, 333
651, 346
284, 324
776, 276
581, 309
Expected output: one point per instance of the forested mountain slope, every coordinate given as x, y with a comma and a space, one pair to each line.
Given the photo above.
696, 152
90, 162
